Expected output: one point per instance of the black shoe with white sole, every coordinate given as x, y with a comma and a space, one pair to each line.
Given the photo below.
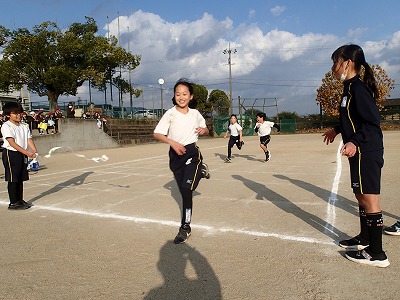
355, 243
183, 234
367, 258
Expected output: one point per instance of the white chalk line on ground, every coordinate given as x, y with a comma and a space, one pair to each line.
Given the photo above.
331, 208
107, 165
103, 167
207, 229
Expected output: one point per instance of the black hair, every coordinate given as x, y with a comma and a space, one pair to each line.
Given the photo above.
12, 107
233, 115
356, 55
189, 85
262, 115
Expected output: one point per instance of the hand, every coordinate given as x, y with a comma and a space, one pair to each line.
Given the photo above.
329, 136
348, 149
201, 130
31, 154
178, 148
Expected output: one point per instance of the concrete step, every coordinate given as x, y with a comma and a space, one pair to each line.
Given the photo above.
128, 142
129, 132
132, 130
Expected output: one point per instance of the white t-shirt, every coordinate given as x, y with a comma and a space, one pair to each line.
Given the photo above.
181, 127
20, 133
265, 128
234, 129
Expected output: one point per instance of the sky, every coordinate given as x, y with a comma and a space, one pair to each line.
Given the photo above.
280, 50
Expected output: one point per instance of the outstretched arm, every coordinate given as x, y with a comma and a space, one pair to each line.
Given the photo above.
329, 136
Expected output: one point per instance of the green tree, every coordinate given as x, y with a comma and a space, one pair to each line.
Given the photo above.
330, 92
218, 101
53, 62
288, 115
252, 112
200, 94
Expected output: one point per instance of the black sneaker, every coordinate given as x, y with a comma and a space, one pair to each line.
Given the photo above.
367, 258
355, 243
205, 171
227, 160
241, 145
17, 206
183, 234
267, 156
393, 230
29, 205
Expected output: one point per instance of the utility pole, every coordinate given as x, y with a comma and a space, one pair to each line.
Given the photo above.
121, 101
105, 80
229, 51
111, 89
130, 81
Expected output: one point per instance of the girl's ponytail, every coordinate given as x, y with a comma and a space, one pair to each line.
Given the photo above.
370, 81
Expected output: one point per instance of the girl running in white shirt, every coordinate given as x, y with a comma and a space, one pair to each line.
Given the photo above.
180, 127
235, 138
263, 129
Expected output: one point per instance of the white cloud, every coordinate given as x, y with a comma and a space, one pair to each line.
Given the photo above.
277, 10
355, 34
273, 64
386, 54
252, 13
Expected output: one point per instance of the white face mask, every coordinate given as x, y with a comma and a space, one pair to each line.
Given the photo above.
344, 75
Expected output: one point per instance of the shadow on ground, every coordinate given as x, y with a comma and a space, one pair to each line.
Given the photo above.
180, 284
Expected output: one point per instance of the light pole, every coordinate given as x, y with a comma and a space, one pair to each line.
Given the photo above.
161, 82
229, 52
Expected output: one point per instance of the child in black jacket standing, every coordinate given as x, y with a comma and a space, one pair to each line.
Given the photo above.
359, 125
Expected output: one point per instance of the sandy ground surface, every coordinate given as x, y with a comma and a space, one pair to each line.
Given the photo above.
261, 230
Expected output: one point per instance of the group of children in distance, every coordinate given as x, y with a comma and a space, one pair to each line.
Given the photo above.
262, 128
181, 126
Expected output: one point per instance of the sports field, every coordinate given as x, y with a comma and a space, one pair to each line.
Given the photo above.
260, 230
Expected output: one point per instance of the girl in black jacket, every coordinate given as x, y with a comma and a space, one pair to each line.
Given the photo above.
359, 125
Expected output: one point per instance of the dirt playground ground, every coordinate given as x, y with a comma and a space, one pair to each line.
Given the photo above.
260, 230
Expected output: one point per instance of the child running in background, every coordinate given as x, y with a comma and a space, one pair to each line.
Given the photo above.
180, 127
263, 129
236, 137
17, 139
